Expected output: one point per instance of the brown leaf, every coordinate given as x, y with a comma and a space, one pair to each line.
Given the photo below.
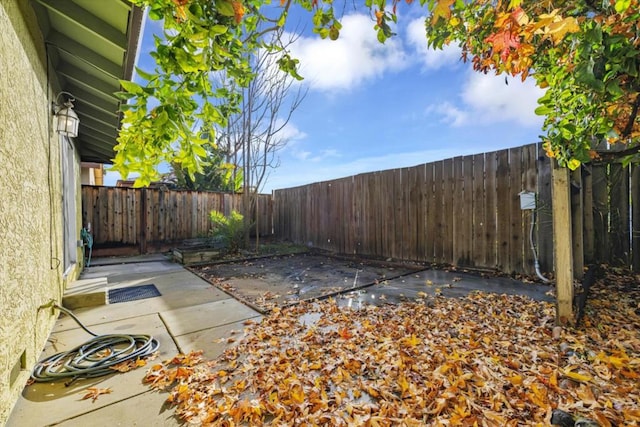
94, 392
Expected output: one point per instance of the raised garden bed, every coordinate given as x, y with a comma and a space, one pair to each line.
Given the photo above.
206, 251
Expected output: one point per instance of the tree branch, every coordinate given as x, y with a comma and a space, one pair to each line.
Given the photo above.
609, 156
632, 117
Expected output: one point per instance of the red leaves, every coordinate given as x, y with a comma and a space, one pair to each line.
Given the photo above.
502, 42
344, 333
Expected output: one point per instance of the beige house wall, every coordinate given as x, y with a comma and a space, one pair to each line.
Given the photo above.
31, 220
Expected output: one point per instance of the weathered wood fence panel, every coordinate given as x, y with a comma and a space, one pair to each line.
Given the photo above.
613, 191
463, 211
149, 219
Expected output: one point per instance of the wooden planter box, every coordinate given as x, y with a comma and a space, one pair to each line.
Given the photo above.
198, 251
195, 256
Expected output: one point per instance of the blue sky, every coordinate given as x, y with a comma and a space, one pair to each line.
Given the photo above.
373, 106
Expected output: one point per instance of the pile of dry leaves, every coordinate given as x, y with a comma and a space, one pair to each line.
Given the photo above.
486, 359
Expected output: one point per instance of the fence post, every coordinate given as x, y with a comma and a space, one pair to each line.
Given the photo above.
562, 242
143, 221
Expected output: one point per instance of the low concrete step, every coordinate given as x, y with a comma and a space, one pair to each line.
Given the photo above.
86, 293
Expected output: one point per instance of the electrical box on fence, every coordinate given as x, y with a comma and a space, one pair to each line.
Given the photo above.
527, 200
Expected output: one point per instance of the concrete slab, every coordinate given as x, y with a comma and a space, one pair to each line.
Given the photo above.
128, 260
53, 402
118, 272
83, 286
178, 289
456, 284
208, 340
147, 409
205, 316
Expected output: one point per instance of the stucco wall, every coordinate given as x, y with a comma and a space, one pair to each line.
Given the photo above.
30, 210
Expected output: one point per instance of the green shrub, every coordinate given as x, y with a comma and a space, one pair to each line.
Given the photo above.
229, 229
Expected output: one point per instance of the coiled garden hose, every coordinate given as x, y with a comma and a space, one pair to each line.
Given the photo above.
94, 358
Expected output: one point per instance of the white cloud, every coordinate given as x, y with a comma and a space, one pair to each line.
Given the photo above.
289, 132
355, 57
296, 150
492, 100
450, 114
431, 59
325, 154
486, 99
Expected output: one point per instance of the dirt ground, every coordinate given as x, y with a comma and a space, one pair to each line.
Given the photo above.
280, 280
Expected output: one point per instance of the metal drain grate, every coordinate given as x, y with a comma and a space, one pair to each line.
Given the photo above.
133, 293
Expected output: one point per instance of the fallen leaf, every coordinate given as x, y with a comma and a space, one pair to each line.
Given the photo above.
94, 392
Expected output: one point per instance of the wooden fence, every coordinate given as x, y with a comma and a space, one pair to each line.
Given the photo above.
466, 211
611, 202
148, 220
463, 211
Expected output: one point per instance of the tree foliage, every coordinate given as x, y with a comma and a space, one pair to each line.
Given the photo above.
585, 53
216, 175
172, 116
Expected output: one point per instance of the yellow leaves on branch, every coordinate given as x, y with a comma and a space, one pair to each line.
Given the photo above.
555, 27
442, 10
512, 43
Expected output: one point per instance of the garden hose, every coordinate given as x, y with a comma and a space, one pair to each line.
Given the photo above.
94, 358
87, 238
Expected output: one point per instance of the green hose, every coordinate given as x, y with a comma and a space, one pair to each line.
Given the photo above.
94, 358
87, 238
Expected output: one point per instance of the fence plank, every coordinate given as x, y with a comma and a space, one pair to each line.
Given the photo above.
479, 244
438, 213
457, 194
466, 225
619, 211
599, 184
516, 249
635, 217
430, 222
544, 215
491, 210
503, 211
448, 193
577, 237
420, 213
529, 183
587, 200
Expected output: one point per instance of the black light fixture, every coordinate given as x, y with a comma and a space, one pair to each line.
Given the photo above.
67, 120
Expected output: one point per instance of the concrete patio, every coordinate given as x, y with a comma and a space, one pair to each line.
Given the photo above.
189, 315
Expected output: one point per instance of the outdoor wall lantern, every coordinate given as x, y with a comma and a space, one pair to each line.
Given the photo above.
67, 120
